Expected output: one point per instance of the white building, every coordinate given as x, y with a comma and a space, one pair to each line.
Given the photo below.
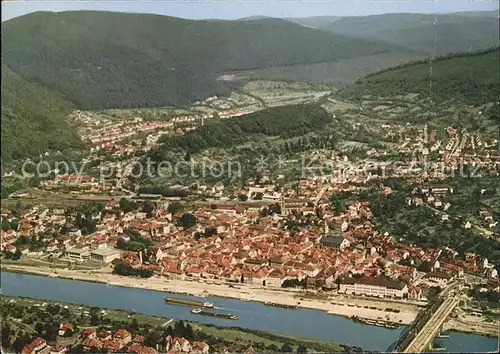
105, 255
373, 286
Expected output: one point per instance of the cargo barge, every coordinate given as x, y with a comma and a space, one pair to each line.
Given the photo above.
186, 302
378, 323
269, 303
227, 316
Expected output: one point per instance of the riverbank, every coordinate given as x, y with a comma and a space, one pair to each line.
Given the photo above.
346, 307
234, 338
489, 330
253, 316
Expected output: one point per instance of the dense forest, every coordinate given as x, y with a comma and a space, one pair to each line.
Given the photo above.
112, 60
286, 121
34, 119
472, 78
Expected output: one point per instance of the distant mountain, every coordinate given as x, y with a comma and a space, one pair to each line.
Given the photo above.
315, 21
491, 14
34, 119
473, 78
254, 18
109, 60
441, 33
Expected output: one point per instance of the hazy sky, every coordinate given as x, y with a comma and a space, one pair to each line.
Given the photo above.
232, 9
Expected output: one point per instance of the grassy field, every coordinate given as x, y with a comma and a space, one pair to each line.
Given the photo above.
238, 336
113, 315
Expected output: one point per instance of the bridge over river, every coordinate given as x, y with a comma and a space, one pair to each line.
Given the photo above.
427, 325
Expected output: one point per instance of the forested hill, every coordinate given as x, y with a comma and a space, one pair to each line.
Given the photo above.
108, 60
34, 119
285, 122
472, 78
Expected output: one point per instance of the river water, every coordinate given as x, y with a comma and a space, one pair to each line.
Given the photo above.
253, 315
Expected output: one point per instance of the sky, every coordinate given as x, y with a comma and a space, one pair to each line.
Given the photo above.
233, 9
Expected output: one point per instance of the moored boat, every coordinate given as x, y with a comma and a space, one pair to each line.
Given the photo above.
378, 323
269, 303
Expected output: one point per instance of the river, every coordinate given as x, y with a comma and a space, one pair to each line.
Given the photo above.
253, 315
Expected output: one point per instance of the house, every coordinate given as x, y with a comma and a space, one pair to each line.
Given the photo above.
437, 189
123, 336
139, 349
89, 333
58, 349
414, 293
373, 286
65, 328
181, 344
104, 335
113, 346
200, 347
337, 242
439, 277
37, 346
138, 339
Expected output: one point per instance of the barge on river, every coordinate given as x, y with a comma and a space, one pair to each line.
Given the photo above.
378, 323
186, 302
227, 316
269, 303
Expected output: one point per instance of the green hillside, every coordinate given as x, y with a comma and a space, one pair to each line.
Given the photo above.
446, 33
470, 78
33, 119
300, 119
108, 60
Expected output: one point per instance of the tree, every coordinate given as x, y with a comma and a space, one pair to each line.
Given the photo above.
121, 243
134, 324
17, 255
126, 205
175, 207
148, 208
301, 349
210, 231
21, 342
152, 339
187, 220
6, 335
258, 196
179, 328
275, 208
39, 327
94, 319
188, 332
51, 331
286, 348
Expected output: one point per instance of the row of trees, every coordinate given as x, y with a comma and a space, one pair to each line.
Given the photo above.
122, 269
